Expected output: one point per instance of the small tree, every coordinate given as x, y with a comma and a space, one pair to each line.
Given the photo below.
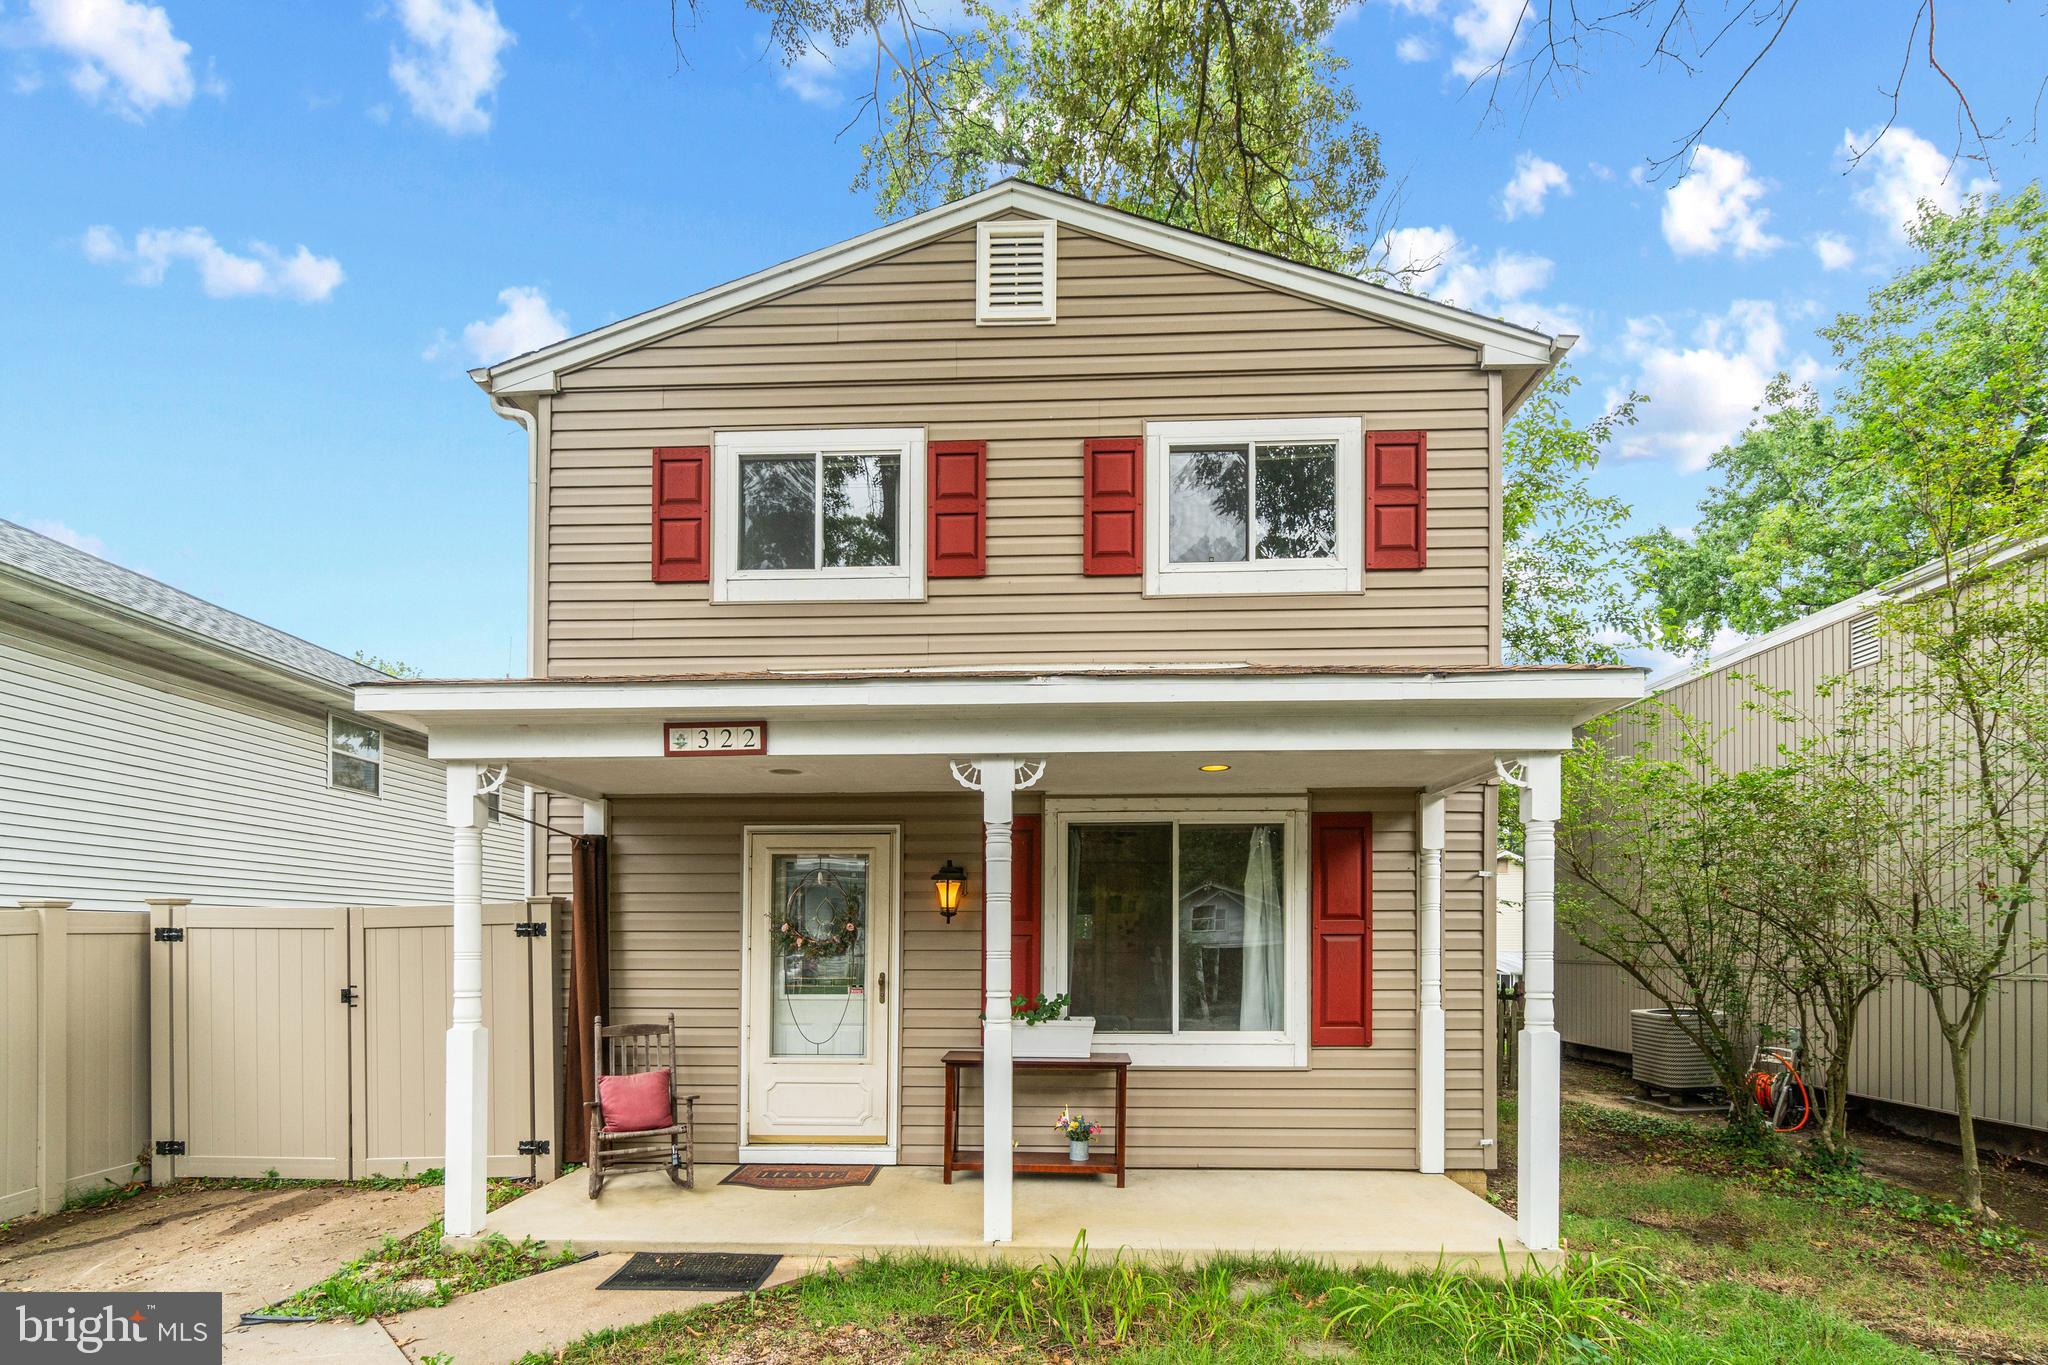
1802, 839
1651, 846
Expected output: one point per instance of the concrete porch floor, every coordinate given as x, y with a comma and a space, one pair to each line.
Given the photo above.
1401, 1220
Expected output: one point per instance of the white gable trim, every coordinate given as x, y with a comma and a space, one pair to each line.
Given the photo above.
1500, 345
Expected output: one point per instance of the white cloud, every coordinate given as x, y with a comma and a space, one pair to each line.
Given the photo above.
1904, 168
1703, 389
525, 323
1834, 251
1437, 262
452, 66
1415, 48
1663, 663
125, 55
65, 535
1531, 184
1716, 206
811, 77
265, 271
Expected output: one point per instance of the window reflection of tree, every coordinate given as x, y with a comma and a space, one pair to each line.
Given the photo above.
1207, 505
861, 503
777, 502
1297, 496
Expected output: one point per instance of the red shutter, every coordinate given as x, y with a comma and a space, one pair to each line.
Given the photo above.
1026, 917
956, 538
682, 514
1396, 499
1340, 930
1113, 506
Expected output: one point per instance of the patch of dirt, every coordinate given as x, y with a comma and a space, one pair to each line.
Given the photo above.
1947, 1340
252, 1246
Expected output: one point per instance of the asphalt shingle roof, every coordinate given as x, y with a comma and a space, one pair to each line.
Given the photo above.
41, 557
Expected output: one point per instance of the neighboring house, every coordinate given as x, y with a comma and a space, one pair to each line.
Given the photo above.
1900, 1058
152, 744
1507, 912
1124, 567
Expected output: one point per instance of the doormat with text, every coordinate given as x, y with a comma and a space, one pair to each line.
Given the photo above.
800, 1177
721, 1272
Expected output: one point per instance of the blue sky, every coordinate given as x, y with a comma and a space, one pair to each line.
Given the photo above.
250, 250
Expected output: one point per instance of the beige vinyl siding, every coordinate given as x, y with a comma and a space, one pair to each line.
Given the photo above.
676, 944
894, 343
121, 780
1900, 1055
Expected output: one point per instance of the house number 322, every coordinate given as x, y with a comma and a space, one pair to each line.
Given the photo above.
684, 737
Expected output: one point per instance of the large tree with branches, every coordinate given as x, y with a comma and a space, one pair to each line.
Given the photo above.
1229, 117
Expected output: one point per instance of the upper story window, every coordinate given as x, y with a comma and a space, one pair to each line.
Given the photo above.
1259, 507
818, 516
355, 756
1016, 271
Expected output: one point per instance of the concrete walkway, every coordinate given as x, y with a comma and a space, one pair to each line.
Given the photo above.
492, 1327
1397, 1219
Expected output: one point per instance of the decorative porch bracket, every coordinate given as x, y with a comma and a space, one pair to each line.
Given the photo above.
469, 1048
1430, 1067
1537, 1114
998, 780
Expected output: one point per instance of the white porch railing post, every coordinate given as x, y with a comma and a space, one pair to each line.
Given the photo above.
1430, 1079
997, 779
468, 1097
1542, 1051
997, 1079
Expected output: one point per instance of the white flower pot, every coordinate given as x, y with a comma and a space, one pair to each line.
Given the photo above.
1077, 1149
1067, 1039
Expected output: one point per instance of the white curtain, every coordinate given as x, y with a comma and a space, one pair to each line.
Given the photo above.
1264, 940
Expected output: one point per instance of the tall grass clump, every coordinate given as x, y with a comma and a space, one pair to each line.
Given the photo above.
1067, 1299
1589, 1307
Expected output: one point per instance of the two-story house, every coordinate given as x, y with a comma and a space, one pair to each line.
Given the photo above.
1134, 573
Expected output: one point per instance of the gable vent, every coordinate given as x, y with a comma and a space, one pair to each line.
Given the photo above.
1015, 271
1863, 642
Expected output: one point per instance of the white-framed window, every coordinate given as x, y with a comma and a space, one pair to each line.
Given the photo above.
1016, 271
1181, 927
834, 515
1255, 507
355, 756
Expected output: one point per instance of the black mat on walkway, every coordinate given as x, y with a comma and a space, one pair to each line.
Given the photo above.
722, 1272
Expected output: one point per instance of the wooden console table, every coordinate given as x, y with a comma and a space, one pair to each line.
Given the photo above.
1040, 1163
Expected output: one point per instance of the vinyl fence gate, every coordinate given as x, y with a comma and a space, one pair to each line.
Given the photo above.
311, 1043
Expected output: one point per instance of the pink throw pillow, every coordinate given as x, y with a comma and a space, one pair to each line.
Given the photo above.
633, 1104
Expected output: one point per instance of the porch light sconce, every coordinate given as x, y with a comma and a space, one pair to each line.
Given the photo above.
1215, 767
948, 880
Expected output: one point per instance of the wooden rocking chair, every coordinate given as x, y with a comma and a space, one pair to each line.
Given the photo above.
629, 1050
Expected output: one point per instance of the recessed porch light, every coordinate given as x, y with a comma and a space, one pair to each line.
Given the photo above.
787, 772
1215, 767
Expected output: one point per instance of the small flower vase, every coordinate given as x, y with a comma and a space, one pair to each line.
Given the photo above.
1077, 1149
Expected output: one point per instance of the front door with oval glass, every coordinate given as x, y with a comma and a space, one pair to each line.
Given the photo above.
821, 923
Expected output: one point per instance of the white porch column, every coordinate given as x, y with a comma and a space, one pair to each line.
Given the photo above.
1429, 1080
468, 1045
997, 779
1542, 1050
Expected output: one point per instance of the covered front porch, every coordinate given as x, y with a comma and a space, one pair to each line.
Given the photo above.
1361, 779
1400, 1220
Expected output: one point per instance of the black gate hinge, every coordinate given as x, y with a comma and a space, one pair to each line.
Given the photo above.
535, 1147
171, 1147
349, 996
530, 928
168, 933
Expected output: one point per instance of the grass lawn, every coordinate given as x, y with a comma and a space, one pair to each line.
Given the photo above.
404, 1273
1684, 1250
